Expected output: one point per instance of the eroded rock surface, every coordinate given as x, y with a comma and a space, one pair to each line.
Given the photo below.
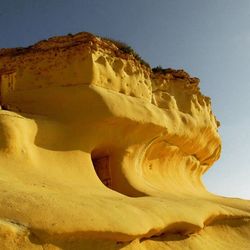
97, 151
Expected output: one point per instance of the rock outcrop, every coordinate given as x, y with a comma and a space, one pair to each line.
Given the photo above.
98, 151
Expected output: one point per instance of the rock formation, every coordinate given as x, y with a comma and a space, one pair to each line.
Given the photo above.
97, 151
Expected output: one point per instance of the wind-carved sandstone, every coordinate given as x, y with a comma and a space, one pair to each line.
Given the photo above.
97, 151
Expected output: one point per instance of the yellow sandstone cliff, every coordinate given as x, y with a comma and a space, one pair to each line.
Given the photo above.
97, 151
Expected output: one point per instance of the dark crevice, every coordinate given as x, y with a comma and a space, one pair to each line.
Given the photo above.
102, 169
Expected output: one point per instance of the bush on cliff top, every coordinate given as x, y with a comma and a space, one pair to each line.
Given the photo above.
158, 69
125, 48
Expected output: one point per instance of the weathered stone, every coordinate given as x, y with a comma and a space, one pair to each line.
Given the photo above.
97, 151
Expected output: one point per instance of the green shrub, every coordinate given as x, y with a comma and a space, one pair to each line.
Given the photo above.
158, 69
125, 48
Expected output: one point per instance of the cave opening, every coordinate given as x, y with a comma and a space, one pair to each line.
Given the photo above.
102, 168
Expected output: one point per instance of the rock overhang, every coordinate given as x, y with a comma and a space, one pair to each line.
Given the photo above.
80, 104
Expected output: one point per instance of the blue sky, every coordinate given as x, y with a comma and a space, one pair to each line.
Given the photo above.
209, 39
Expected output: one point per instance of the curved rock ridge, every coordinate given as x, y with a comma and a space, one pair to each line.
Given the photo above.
99, 151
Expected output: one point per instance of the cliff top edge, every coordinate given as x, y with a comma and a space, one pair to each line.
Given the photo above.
85, 39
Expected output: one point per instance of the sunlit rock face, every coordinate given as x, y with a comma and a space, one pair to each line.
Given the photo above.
97, 151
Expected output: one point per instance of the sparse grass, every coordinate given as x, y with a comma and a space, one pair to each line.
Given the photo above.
158, 69
125, 48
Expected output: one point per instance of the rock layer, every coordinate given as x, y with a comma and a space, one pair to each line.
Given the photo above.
97, 151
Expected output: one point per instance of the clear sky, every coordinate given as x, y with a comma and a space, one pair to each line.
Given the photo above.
209, 39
